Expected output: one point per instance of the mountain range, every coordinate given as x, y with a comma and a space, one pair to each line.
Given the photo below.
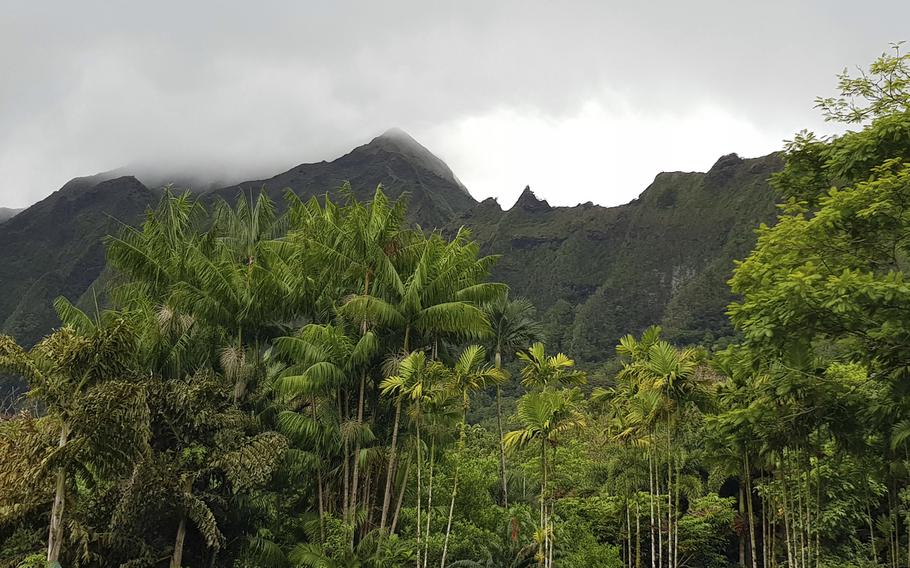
594, 272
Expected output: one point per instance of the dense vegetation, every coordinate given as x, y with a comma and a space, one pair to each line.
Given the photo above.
329, 387
594, 273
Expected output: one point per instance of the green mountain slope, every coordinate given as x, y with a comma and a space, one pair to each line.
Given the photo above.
594, 272
598, 273
394, 159
54, 248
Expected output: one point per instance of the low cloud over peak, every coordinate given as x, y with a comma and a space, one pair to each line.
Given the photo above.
507, 94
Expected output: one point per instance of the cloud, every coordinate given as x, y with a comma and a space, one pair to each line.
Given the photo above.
606, 152
556, 95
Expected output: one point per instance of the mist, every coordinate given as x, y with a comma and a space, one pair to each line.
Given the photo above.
584, 102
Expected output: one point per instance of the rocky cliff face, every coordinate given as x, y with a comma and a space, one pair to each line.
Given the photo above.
600, 272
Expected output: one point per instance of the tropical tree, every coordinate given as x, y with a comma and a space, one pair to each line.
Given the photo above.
86, 381
542, 372
545, 416
470, 374
513, 327
416, 379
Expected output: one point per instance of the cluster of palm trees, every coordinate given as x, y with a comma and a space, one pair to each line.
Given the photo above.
261, 365
658, 393
279, 389
547, 413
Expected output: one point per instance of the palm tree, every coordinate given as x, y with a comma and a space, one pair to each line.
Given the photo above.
513, 326
236, 277
469, 375
438, 300
654, 368
543, 372
545, 416
324, 359
414, 383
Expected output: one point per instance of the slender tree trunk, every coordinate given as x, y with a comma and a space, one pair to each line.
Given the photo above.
445, 546
774, 528
551, 545
871, 533
637, 532
503, 478
628, 535
660, 536
177, 556
787, 527
55, 531
321, 495
750, 513
669, 498
764, 533
355, 478
346, 499
742, 537
542, 547
426, 537
461, 448
404, 485
419, 484
367, 502
676, 522
799, 517
390, 469
651, 502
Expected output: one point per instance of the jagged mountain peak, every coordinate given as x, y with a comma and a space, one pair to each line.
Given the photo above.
397, 141
528, 201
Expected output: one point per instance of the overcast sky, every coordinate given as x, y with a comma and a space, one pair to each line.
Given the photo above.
583, 101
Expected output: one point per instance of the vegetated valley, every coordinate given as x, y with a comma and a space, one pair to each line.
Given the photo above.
355, 363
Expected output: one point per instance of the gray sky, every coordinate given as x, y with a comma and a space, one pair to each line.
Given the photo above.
584, 101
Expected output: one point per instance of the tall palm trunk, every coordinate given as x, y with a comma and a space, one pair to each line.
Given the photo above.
651, 502
541, 548
503, 479
871, 533
787, 524
355, 478
637, 532
345, 413
461, 436
676, 528
669, 497
321, 494
445, 546
407, 472
426, 533
628, 534
55, 531
390, 469
419, 485
660, 536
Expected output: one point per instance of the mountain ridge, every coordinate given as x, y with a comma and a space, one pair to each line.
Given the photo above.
594, 271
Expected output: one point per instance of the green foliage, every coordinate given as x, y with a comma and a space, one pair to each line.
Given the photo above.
296, 390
